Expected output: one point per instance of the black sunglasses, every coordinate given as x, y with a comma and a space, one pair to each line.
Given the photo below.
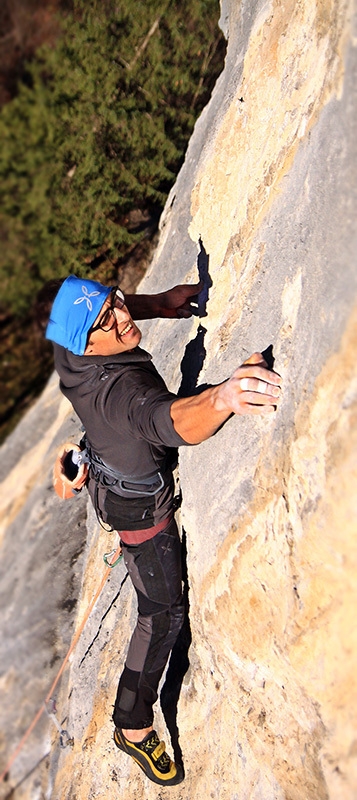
108, 319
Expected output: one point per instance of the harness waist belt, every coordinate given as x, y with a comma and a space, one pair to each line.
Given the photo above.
143, 535
124, 485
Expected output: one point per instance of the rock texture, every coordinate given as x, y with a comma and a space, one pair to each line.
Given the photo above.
264, 208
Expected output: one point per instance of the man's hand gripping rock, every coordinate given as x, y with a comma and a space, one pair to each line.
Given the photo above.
252, 389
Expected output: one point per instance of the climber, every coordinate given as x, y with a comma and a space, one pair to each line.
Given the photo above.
133, 427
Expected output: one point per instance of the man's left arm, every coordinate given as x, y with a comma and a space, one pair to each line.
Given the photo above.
175, 303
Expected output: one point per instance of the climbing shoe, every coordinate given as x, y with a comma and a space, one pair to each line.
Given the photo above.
151, 756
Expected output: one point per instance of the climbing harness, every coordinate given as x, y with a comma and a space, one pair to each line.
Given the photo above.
128, 486
74, 463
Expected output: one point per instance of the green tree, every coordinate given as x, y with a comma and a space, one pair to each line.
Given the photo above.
99, 129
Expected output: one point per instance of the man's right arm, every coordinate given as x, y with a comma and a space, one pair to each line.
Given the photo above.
252, 389
174, 303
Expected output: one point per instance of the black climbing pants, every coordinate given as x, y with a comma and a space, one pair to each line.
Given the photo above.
155, 570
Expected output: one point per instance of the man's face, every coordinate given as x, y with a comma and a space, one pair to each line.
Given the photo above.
124, 334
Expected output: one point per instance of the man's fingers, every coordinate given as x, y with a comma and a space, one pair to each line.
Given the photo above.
252, 389
254, 372
260, 386
184, 313
256, 399
192, 289
256, 367
255, 358
198, 286
259, 410
188, 295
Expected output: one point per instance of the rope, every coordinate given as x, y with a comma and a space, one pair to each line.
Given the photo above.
61, 670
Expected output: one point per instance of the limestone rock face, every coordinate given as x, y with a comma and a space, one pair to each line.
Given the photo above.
264, 209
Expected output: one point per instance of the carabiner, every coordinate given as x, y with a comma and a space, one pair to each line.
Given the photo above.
107, 555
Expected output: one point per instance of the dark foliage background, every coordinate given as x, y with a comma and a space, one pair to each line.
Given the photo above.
91, 142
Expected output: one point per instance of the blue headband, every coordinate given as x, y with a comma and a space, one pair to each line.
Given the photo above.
76, 307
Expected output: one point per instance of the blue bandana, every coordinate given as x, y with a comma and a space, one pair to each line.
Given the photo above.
76, 307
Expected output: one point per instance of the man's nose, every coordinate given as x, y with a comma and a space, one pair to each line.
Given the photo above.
122, 314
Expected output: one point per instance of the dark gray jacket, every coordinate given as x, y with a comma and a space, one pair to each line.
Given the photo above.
124, 406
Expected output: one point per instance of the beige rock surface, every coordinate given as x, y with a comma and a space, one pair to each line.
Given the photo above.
268, 707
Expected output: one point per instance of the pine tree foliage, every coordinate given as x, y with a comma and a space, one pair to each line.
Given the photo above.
99, 129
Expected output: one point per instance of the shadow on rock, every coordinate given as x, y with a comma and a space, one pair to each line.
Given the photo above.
192, 363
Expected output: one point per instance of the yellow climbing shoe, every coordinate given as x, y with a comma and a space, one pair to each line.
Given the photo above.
151, 756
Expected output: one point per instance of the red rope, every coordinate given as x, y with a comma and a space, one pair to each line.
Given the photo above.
61, 670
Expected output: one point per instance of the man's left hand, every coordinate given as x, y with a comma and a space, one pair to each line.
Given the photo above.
178, 302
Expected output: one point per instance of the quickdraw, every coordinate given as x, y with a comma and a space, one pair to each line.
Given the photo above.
113, 564
65, 739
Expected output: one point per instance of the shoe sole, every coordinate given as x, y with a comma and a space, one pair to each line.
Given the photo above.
143, 761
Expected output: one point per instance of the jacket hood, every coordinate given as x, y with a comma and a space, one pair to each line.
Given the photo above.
87, 371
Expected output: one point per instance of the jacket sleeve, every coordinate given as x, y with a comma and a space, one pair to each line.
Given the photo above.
140, 403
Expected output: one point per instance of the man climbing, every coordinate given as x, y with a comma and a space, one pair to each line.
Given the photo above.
133, 425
